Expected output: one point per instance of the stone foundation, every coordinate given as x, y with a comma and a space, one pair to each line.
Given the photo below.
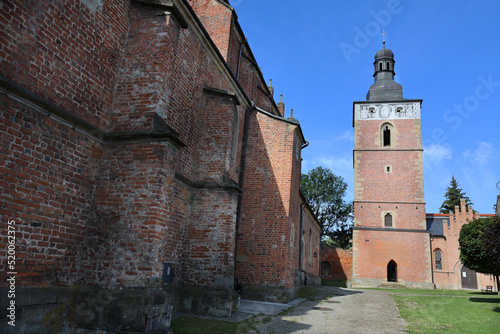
303, 278
377, 283
268, 294
89, 309
218, 302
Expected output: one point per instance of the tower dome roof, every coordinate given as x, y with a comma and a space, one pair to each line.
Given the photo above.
384, 53
384, 88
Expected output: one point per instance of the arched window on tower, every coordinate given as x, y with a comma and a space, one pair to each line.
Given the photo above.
438, 259
388, 220
388, 66
380, 66
387, 136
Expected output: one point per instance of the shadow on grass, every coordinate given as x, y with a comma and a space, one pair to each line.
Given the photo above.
485, 300
483, 293
496, 309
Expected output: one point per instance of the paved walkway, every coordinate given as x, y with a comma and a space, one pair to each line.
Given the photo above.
340, 311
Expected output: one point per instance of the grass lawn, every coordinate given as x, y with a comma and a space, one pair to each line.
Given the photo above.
438, 292
448, 314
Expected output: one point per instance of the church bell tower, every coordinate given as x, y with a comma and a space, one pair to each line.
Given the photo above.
390, 241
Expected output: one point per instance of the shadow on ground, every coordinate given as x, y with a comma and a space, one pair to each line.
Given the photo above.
485, 300
319, 299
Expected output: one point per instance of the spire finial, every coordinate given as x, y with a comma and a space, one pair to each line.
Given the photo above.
291, 113
270, 82
281, 98
383, 34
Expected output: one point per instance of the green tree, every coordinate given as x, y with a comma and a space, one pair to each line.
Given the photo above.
479, 246
491, 238
325, 193
453, 196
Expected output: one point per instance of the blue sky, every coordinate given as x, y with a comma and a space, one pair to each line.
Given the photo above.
320, 57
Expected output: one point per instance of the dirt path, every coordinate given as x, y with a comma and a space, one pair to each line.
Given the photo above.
339, 310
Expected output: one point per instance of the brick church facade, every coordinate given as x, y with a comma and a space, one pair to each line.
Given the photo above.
145, 166
395, 243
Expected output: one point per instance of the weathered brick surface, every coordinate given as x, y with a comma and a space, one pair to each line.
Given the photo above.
373, 250
336, 263
106, 201
47, 187
311, 243
65, 52
270, 204
389, 180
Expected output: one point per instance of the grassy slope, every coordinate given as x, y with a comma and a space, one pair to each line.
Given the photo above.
442, 314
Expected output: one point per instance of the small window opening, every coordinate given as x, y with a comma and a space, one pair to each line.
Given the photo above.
388, 220
388, 66
380, 67
388, 169
387, 136
438, 259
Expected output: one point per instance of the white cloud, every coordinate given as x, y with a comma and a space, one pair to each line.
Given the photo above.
437, 152
480, 156
347, 135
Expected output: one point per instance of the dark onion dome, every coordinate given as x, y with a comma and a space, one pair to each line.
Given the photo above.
384, 53
384, 88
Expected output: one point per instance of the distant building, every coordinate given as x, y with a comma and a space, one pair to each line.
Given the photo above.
395, 243
390, 241
448, 271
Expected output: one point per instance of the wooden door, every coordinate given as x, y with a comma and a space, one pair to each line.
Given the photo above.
469, 278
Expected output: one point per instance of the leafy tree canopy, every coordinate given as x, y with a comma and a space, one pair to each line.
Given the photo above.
453, 196
480, 246
491, 239
325, 193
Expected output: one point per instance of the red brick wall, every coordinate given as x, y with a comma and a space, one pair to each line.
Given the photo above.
373, 250
65, 52
47, 180
111, 211
399, 192
311, 235
113, 215
339, 261
217, 20
265, 256
405, 181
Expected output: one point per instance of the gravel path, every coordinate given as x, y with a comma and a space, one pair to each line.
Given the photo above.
339, 310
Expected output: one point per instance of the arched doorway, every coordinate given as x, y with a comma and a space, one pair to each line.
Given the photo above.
392, 271
325, 268
469, 278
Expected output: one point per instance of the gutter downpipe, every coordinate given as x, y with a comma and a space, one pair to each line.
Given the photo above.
242, 172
